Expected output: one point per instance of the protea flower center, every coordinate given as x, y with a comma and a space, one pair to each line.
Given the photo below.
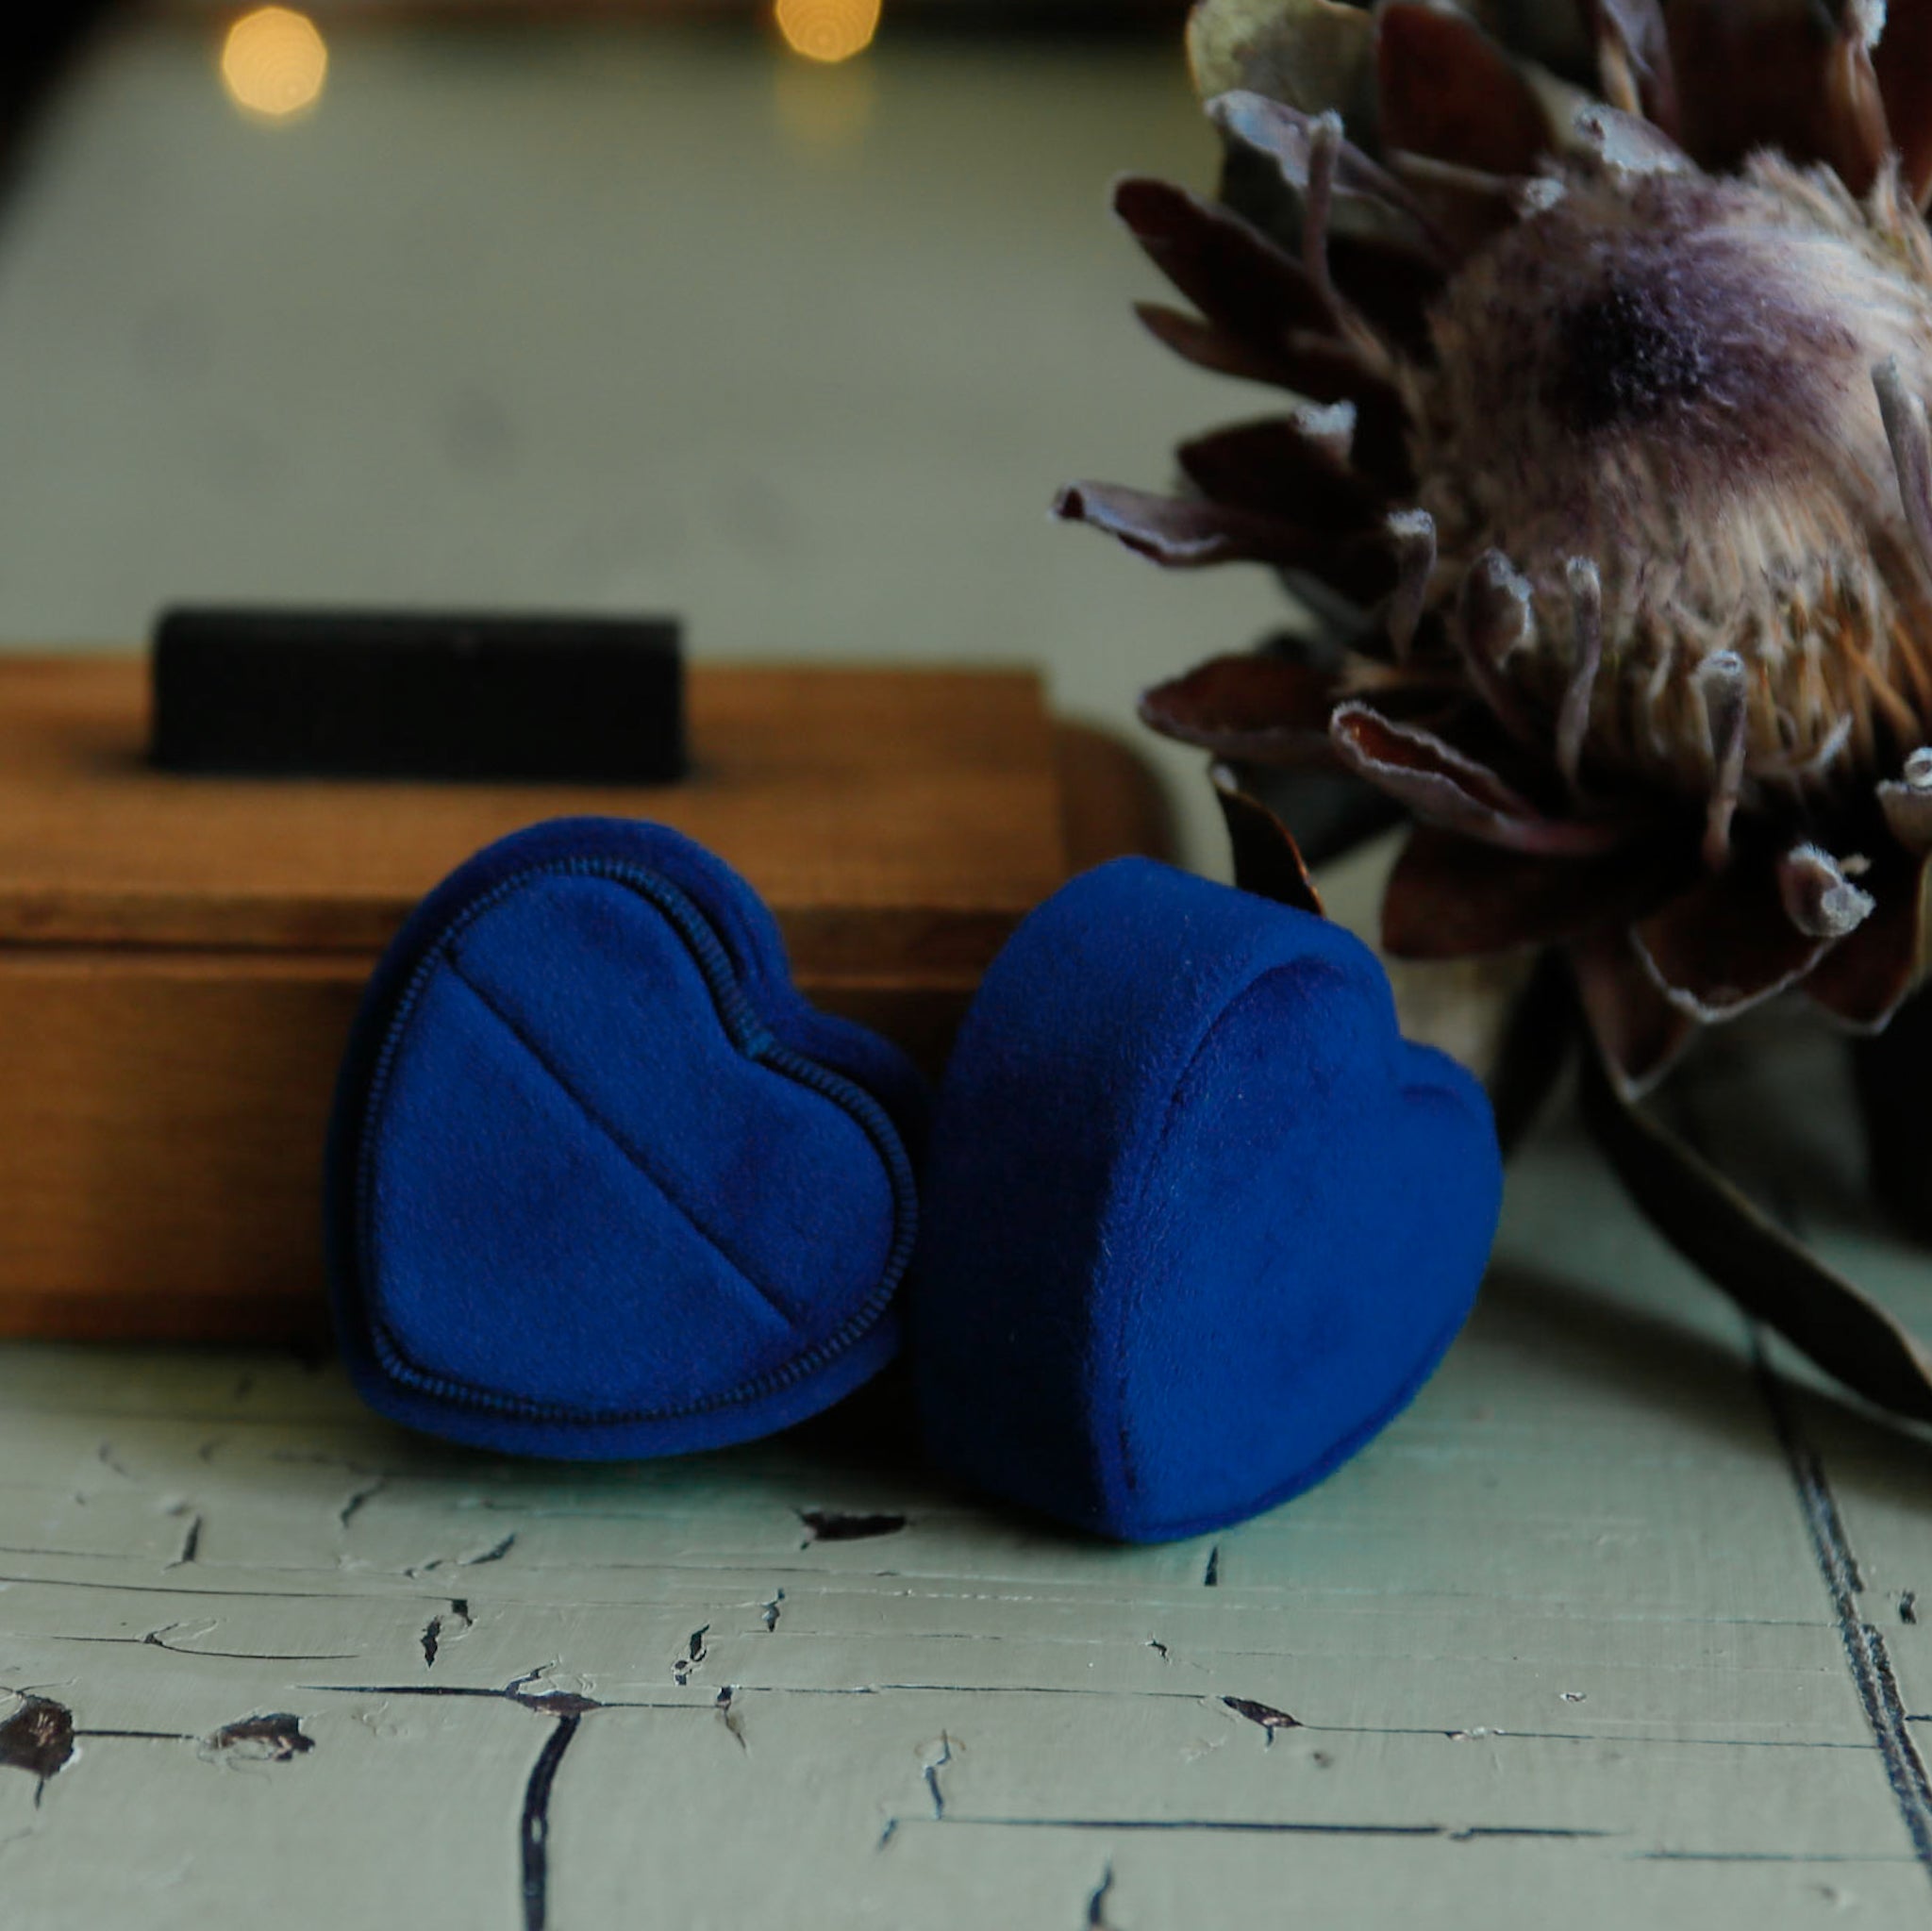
1673, 403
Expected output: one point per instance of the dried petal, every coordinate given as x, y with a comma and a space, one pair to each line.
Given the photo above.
1208, 347
1313, 365
1496, 617
1904, 61
1446, 787
1625, 146
1305, 146
1587, 625
1184, 533
1861, 140
1903, 413
1391, 287
1866, 979
1224, 265
1449, 897
1907, 803
1261, 708
1639, 1033
1634, 59
1723, 681
1467, 206
1313, 53
1751, 77
1727, 944
1818, 898
1411, 535
1288, 466
1266, 861
1449, 92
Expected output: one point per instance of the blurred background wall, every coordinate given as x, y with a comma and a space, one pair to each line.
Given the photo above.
606, 307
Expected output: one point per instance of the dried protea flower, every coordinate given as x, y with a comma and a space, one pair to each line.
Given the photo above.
1608, 339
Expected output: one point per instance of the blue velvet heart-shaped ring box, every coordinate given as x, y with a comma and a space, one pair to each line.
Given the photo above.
1197, 1220
601, 1183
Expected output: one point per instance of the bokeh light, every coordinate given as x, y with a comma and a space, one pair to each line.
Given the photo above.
273, 62
827, 30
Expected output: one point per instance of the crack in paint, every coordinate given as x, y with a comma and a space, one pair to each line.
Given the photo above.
274, 1736
1096, 1903
932, 1767
358, 1499
191, 1540
533, 1828
1864, 1644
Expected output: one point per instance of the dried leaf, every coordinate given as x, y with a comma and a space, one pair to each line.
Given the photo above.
1759, 1266
1892, 1074
1266, 861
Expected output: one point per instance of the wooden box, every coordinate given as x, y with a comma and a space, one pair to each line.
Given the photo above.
180, 957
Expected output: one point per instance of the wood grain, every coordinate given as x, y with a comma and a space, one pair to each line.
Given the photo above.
888, 817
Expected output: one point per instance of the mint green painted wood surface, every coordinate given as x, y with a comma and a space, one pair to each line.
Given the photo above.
1615, 1628
1561, 1647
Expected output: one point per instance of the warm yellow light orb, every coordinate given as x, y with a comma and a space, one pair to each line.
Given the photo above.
827, 30
273, 62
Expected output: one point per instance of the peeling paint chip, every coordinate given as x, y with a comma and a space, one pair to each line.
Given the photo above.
273, 1738
828, 1526
1269, 1718
560, 1703
37, 1738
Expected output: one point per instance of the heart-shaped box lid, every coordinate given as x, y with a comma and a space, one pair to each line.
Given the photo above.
1198, 1221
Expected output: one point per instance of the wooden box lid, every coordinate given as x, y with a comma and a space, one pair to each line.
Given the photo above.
896, 820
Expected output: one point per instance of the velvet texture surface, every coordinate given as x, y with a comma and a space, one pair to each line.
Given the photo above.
601, 1183
1197, 1221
